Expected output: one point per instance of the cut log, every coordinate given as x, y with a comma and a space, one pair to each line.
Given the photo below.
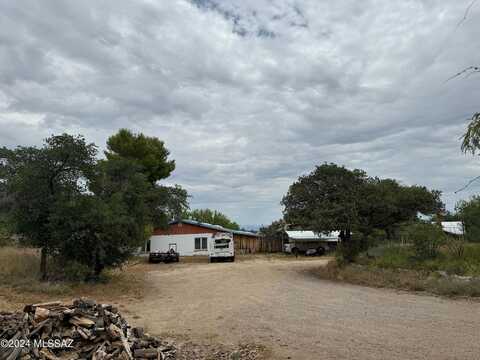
82, 321
41, 314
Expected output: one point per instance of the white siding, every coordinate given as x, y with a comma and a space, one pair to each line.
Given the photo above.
185, 243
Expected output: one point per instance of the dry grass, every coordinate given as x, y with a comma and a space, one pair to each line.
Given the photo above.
18, 264
20, 284
410, 280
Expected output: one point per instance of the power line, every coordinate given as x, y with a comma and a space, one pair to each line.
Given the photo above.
467, 10
468, 184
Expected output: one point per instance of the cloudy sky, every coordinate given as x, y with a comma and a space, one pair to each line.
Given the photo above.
250, 94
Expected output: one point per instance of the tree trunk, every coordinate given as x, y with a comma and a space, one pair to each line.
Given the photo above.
348, 235
99, 264
347, 244
98, 270
43, 264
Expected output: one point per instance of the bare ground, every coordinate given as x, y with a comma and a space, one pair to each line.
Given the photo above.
283, 307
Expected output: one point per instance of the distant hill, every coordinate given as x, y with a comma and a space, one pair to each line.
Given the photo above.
251, 227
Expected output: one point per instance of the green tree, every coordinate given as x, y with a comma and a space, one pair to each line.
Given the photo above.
449, 216
471, 138
103, 228
5, 233
148, 156
35, 178
211, 217
274, 230
327, 200
149, 152
335, 198
385, 204
426, 240
469, 212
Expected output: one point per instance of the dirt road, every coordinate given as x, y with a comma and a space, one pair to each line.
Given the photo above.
281, 305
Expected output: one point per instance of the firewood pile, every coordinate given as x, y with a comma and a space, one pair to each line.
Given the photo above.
81, 330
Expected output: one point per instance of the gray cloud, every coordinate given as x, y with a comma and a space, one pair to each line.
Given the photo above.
248, 95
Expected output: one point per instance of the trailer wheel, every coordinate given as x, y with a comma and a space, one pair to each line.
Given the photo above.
320, 250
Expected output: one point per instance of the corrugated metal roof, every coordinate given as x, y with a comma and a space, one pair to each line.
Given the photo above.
215, 227
310, 235
424, 217
453, 227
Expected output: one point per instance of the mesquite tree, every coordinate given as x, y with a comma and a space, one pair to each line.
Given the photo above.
36, 178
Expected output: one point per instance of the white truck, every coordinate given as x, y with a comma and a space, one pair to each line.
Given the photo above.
221, 247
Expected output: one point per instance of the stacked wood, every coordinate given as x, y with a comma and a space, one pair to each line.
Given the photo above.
76, 331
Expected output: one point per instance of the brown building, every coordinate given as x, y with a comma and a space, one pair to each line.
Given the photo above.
245, 242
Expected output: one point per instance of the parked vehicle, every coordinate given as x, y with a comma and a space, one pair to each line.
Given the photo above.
166, 257
309, 242
318, 251
315, 252
221, 247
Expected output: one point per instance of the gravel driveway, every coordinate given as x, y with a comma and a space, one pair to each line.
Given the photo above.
281, 305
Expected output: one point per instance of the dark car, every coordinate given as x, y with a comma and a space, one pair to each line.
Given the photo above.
166, 257
315, 252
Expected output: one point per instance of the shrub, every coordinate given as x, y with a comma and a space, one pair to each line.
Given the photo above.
347, 252
455, 246
472, 253
470, 214
5, 239
451, 287
76, 272
5, 234
375, 238
394, 257
426, 240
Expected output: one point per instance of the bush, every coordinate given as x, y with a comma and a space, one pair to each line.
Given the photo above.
451, 287
470, 214
426, 240
375, 238
347, 252
455, 246
5, 239
76, 272
5, 234
393, 257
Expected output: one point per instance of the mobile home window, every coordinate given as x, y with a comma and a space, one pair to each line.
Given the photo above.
201, 243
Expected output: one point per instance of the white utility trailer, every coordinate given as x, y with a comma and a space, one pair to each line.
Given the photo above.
221, 247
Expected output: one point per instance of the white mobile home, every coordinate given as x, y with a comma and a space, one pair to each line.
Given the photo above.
192, 238
184, 244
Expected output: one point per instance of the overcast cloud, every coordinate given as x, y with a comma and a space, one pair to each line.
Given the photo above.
250, 94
